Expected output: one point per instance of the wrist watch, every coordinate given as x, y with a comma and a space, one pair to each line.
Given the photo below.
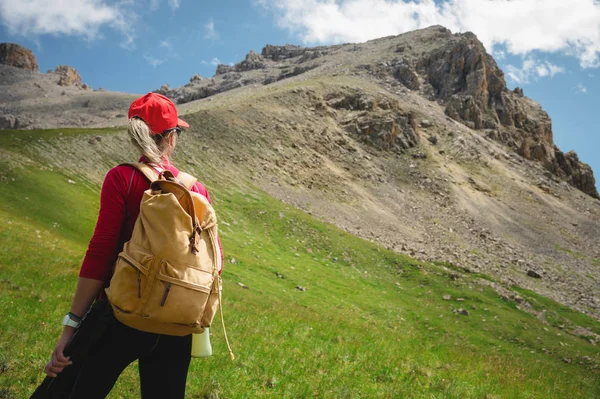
71, 320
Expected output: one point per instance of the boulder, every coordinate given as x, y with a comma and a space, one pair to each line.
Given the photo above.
17, 56
533, 273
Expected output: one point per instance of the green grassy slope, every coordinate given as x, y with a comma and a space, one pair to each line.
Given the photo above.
371, 323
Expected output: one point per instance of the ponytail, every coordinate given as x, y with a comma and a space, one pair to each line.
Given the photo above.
152, 147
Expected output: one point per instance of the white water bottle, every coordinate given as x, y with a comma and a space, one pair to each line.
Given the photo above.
201, 344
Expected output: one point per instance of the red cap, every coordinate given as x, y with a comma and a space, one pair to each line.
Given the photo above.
157, 111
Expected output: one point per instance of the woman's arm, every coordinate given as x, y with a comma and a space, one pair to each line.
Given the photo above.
87, 290
97, 265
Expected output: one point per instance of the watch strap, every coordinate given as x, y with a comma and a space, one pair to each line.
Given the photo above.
74, 317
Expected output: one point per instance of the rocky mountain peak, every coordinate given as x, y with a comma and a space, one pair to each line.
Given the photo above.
468, 82
451, 72
17, 56
416, 133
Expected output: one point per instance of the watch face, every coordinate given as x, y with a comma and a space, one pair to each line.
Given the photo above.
67, 321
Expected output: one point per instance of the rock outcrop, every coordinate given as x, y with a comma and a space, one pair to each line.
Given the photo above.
407, 77
467, 80
252, 61
278, 53
222, 69
464, 76
380, 122
577, 173
9, 122
17, 56
68, 76
453, 70
281, 53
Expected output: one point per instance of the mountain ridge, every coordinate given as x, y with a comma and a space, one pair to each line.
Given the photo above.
458, 73
461, 171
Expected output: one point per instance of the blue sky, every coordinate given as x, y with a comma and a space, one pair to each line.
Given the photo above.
550, 48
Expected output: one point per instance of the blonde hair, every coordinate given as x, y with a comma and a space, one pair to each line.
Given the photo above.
153, 147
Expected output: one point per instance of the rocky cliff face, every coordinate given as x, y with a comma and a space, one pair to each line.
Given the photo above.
17, 56
453, 70
412, 141
471, 86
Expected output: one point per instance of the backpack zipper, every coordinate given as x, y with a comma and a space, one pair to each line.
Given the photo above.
164, 298
139, 276
139, 283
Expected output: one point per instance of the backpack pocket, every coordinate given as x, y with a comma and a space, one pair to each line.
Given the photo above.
127, 283
180, 295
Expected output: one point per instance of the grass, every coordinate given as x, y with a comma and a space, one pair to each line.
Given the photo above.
371, 323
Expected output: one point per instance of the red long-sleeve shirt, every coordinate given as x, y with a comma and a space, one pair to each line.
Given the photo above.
120, 200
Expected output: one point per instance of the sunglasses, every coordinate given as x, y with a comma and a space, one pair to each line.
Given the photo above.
177, 130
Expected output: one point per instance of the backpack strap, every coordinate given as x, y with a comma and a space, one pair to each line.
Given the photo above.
151, 174
146, 170
187, 180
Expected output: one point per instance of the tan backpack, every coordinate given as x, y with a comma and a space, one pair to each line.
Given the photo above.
166, 280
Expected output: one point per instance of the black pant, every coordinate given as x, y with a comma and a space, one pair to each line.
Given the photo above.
163, 363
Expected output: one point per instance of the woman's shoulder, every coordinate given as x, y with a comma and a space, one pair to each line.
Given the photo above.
197, 188
200, 189
119, 175
120, 171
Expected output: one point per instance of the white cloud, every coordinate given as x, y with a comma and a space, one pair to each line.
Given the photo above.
571, 27
581, 88
155, 4
204, 62
165, 44
532, 69
215, 61
161, 53
209, 31
154, 61
77, 17
499, 54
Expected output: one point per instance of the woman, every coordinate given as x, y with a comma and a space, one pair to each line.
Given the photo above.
163, 360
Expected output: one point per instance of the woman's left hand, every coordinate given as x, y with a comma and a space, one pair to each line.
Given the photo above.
58, 361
